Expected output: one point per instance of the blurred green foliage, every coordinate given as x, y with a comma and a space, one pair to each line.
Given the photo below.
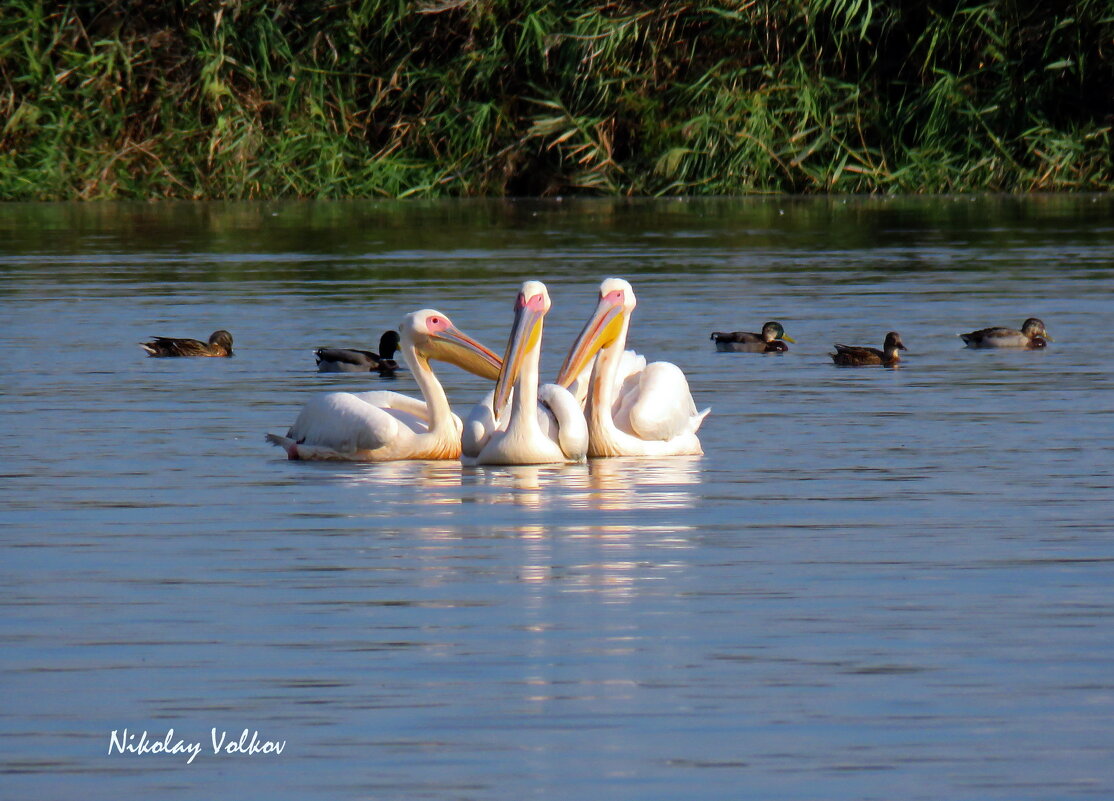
371, 98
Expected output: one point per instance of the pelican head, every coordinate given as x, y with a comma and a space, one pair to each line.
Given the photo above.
609, 320
773, 330
530, 308
432, 335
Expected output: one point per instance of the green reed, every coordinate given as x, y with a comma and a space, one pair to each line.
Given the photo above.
367, 98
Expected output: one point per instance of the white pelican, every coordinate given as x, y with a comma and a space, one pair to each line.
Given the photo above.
387, 426
545, 424
645, 411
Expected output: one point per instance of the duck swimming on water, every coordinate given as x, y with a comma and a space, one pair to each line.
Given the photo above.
220, 344
1032, 336
771, 340
859, 356
350, 360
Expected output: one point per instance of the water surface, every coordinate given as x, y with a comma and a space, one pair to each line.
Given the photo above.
875, 584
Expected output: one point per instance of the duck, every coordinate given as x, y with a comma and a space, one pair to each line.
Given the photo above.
771, 340
859, 356
350, 360
1031, 336
219, 344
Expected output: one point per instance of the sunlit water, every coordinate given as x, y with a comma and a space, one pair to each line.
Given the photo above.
876, 584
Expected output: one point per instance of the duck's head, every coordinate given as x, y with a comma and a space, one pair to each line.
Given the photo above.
432, 335
607, 323
1034, 327
388, 343
893, 343
773, 330
530, 308
222, 338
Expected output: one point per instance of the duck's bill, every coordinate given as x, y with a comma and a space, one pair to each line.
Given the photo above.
526, 332
454, 346
788, 338
600, 331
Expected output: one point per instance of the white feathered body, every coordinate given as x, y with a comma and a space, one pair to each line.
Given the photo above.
648, 411
557, 433
368, 427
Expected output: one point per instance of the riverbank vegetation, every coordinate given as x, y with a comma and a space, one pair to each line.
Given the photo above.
370, 98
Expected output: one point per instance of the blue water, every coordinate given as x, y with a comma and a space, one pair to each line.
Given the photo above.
875, 584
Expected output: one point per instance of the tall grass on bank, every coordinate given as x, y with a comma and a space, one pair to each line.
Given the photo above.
371, 98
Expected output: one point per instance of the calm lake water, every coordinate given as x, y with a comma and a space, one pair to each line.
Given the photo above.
876, 584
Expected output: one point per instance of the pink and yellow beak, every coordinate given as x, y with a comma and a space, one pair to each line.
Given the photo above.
452, 345
603, 328
525, 336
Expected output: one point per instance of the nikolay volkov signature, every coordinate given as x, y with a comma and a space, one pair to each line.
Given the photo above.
143, 744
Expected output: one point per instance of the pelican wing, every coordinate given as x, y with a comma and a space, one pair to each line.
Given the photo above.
656, 404
629, 363
346, 423
478, 426
562, 420
579, 385
385, 399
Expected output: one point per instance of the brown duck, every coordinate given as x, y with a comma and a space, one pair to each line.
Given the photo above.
858, 356
219, 344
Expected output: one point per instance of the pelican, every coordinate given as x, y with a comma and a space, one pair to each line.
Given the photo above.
545, 424
219, 345
647, 411
388, 426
